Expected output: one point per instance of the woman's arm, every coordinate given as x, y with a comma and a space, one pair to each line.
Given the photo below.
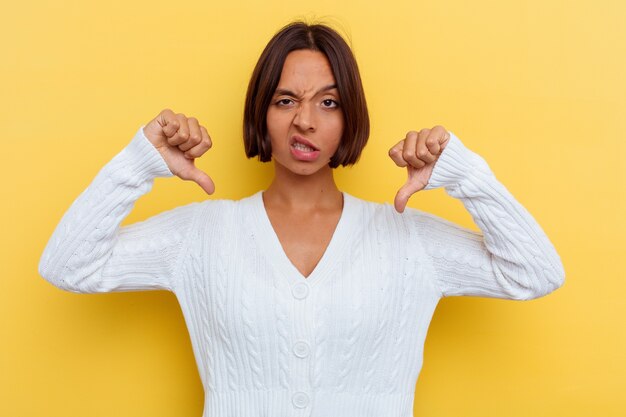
89, 252
511, 257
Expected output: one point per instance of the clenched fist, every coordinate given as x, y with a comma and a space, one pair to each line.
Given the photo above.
418, 152
181, 139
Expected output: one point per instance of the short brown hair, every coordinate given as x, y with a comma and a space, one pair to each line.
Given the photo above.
317, 37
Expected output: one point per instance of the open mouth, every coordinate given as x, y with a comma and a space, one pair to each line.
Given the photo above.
303, 150
302, 144
302, 147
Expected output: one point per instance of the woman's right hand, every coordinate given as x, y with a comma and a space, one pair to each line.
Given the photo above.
181, 139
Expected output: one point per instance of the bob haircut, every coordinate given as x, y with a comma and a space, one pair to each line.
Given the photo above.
266, 75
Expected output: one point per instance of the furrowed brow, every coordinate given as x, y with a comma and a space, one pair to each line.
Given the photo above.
283, 91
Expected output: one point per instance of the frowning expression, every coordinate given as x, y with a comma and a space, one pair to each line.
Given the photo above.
304, 120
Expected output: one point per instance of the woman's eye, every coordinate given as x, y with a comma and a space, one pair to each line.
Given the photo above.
284, 101
330, 103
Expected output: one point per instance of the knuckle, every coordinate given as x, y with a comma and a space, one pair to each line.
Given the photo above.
422, 153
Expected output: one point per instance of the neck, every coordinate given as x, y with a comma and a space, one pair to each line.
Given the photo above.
303, 192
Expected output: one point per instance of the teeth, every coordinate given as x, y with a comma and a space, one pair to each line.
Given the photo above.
303, 147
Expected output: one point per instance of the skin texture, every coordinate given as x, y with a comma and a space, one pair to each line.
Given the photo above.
303, 202
308, 112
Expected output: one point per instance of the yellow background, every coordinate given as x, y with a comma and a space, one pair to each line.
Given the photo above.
537, 87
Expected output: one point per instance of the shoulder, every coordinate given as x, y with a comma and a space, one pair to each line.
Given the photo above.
225, 209
229, 204
365, 205
383, 216
385, 210
217, 205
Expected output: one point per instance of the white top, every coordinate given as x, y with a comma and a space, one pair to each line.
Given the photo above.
346, 341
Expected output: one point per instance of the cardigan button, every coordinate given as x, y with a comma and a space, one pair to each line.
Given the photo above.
300, 400
300, 290
301, 349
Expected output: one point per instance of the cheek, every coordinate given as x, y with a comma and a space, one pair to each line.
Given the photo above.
277, 122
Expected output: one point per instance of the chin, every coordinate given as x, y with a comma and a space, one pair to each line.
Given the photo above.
303, 169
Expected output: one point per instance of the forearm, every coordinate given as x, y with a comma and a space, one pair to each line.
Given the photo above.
512, 256
85, 237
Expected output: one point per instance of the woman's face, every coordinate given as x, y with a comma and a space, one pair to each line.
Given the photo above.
304, 120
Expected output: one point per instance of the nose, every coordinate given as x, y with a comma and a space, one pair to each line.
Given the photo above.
305, 117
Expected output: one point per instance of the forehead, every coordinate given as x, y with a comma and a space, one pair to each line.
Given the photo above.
306, 69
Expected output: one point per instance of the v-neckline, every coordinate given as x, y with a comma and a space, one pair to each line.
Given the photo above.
270, 243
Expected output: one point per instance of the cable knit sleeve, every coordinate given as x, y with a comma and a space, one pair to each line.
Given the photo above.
511, 257
90, 253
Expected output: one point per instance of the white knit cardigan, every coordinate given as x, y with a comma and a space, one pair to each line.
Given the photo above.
346, 341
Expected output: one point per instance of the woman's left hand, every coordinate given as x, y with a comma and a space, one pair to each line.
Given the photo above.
418, 152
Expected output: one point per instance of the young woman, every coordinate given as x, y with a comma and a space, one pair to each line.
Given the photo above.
303, 299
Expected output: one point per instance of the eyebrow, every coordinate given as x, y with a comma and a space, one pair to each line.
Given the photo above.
284, 91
